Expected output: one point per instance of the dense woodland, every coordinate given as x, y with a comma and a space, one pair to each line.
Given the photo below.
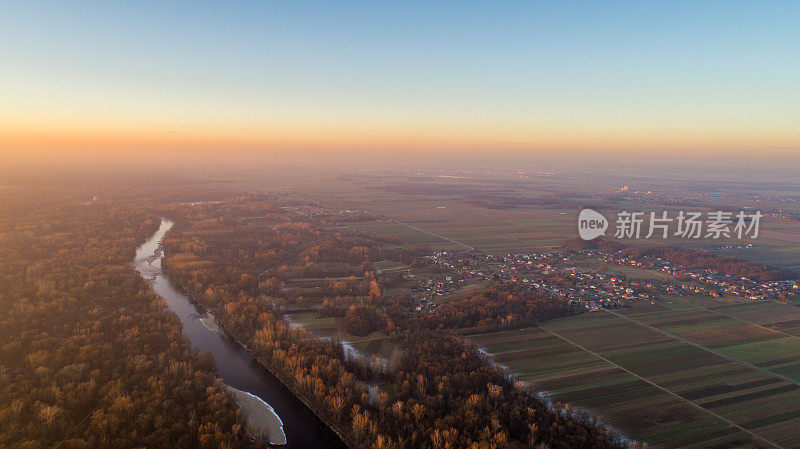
89, 356
497, 307
249, 261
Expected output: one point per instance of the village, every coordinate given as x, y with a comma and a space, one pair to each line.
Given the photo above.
565, 275
706, 281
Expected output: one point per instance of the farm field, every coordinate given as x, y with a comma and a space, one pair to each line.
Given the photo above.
463, 226
442, 206
659, 389
525, 228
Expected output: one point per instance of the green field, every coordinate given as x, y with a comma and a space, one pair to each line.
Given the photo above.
656, 388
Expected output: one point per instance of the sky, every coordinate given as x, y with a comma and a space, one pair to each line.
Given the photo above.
638, 77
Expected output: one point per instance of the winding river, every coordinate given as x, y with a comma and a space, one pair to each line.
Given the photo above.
235, 365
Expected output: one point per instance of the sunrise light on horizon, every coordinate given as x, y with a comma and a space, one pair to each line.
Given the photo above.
636, 77
266, 224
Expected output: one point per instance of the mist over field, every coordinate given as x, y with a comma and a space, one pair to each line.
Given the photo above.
385, 225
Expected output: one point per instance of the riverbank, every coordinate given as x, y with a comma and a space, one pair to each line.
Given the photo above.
210, 322
283, 378
272, 405
287, 382
263, 423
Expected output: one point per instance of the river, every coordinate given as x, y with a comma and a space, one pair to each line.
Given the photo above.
235, 366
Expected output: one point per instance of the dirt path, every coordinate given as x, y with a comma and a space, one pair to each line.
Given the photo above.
435, 235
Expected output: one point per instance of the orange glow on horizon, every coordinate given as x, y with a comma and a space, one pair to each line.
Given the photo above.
96, 136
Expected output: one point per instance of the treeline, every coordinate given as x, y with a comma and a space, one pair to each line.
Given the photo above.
496, 201
89, 356
695, 259
497, 307
690, 258
442, 394
447, 378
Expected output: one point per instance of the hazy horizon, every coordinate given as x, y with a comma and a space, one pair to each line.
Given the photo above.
681, 80
399, 225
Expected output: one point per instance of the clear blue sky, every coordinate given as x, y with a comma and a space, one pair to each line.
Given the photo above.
534, 74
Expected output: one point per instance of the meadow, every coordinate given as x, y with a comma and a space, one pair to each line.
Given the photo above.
444, 214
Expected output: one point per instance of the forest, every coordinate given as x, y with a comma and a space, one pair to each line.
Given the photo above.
89, 356
248, 260
496, 307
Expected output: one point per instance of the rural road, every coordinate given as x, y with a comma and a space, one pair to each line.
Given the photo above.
435, 235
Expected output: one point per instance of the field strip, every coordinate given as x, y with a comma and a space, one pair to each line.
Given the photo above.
705, 348
671, 393
392, 269
750, 323
667, 312
435, 235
